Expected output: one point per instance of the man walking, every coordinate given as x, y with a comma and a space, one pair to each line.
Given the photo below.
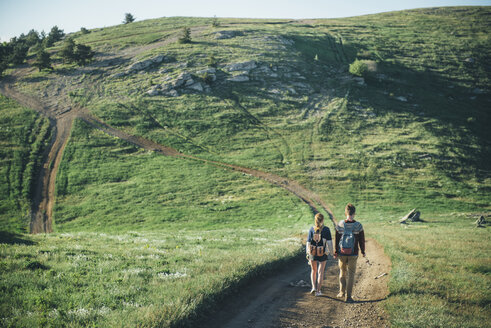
350, 239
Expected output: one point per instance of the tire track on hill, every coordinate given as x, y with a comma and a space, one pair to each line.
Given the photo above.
45, 182
307, 196
43, 200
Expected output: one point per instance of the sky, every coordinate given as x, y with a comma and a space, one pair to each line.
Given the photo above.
20, 16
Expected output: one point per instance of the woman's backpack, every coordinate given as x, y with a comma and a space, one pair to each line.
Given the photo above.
316, 250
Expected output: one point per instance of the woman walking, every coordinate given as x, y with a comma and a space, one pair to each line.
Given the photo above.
318, 240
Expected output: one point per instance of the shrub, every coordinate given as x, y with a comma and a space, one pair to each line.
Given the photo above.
215, 22
358, 68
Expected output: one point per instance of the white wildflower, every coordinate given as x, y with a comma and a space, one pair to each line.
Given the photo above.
175, 275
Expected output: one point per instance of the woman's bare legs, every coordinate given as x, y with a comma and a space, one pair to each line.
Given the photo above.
320, 275
313, 274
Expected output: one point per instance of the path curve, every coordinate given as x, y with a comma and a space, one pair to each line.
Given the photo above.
61, 122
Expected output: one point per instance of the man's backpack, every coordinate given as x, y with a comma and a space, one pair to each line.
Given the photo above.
347, 242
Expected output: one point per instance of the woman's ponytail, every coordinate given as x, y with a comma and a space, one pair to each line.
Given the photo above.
319, 222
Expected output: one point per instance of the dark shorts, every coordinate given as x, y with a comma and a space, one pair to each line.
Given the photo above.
320, 258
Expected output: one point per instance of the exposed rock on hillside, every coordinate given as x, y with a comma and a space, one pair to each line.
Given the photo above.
243, 66
183, 81
209, 73
140, 66
227, 34
239, 78
154, 90
196, 86
144, 64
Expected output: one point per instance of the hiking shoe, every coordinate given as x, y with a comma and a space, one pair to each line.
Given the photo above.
349, 300
340, 295
319, 293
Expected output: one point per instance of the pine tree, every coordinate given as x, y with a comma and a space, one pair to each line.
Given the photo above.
186, 35
32, 38
83, 54
54, 35
68, 51
43, 60
19, 54
3, 57
128, 18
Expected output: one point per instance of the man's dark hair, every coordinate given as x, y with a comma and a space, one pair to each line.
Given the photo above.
350, 209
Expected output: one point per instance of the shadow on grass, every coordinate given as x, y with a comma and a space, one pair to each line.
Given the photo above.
13, 238
462, 112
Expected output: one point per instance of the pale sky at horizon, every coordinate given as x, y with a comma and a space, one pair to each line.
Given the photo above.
20, 16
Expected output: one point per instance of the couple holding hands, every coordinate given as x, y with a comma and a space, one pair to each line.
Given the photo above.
349, 241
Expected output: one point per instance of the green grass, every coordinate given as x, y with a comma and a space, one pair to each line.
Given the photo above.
143, 239
145, 279
414, 135
440, 269
140, 190
23, 138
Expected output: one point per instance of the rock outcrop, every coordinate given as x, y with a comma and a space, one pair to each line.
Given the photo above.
239, 78
243, 66
144, 64
184, 81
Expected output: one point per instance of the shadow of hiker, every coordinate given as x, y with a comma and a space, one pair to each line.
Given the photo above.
13, 238
354, 301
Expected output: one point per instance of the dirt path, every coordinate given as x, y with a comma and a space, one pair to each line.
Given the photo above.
280, 301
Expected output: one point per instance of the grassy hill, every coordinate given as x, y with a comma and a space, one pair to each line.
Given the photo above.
274, 95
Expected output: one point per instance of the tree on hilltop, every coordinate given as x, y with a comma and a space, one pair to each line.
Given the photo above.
128, 18
54, 35
215, 22
32, 38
